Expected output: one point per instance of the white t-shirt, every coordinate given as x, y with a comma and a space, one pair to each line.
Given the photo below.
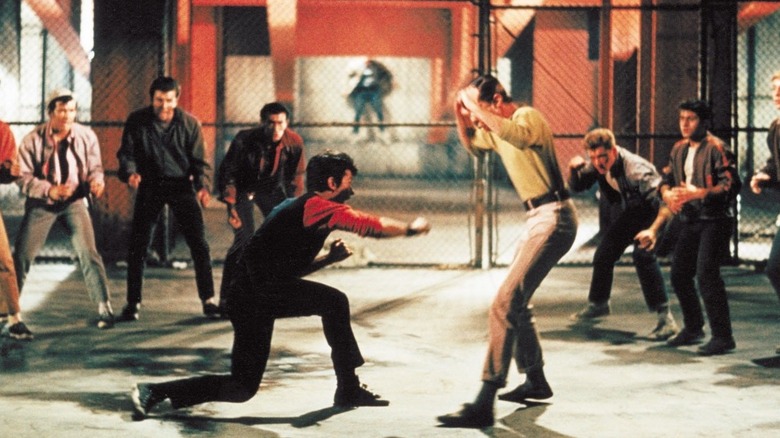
688, 167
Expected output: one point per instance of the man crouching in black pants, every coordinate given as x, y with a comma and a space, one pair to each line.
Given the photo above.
269, 285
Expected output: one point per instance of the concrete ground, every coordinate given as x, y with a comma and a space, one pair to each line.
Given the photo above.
423, 333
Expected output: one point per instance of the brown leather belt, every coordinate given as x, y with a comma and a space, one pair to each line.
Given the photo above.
559, 195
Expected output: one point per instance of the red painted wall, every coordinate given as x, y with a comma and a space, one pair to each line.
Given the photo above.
360, 30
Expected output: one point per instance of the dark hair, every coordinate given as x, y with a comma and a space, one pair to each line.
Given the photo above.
488, 87
164, 84
272, 108
700, 107
599, 137
53, 103
325, 165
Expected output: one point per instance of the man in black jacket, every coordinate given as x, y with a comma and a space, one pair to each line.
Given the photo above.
699, 189
263, 166
628, 183
162, 157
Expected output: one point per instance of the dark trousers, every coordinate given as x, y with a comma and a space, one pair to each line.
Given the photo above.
773, 265
245, 209
615, 239
253, 323
698, 254
149, 202
368, 96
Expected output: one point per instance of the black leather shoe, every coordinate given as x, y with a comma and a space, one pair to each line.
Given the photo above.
468, 417
717, 345
130, 312
526, 391
224, 313
357, 395
685, 337
211, 310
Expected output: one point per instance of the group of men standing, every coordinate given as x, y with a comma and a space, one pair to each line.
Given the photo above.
161, 158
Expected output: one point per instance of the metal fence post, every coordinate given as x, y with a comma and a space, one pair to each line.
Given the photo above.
480, 181
478, 187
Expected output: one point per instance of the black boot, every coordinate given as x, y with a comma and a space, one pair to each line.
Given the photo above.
535, 387
474, 415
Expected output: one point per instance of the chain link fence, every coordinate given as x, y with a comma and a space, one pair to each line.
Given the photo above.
758, 54
580, 63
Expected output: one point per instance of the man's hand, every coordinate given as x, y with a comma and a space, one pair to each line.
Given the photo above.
418, 226
233, 218
61, 192
673, 198
646, 239
134, 180
13, 168
230, 194
757, 181
97, 188
688, 192
469, 97
460, 109
338, 251
204, 197
577, 162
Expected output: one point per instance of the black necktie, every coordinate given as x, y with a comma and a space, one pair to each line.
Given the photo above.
62, 155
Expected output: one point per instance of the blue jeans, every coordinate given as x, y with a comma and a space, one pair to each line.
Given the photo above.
371, 96
551, 230
74, 215
698, 253
614, 242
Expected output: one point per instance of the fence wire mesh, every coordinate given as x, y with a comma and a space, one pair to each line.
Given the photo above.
551, 56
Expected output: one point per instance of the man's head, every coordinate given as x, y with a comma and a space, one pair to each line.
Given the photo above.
694, 116
274, 118
776, 89
600, 146
330, 173
62, 110
492, 96
164, 93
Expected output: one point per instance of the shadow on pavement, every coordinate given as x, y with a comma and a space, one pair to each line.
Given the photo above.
587, 331
523, 422
768, 362
243, 426
304, 420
